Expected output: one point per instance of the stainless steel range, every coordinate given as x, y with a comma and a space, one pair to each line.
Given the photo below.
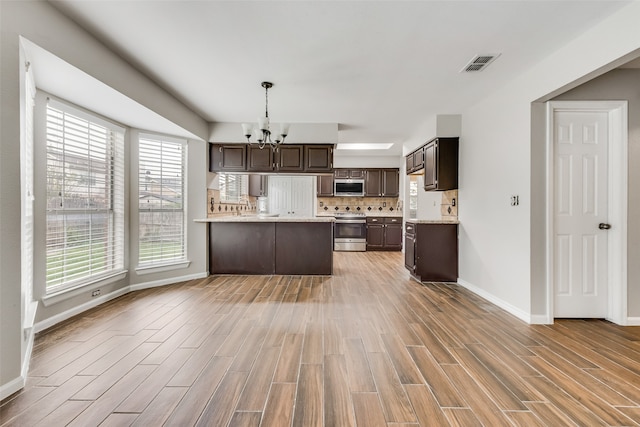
350, 232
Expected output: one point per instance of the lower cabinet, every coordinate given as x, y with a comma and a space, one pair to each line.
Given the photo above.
299, 248
431, 251
384, 233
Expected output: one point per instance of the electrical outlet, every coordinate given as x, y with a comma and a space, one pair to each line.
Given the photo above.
384, 204
95, 293
515, 200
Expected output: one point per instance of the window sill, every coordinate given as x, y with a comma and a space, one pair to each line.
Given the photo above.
66, 294
159, 268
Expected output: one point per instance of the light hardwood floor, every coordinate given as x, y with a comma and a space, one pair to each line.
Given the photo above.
365, 347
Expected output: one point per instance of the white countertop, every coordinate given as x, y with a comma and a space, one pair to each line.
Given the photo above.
432, 221
378, 214
256, 218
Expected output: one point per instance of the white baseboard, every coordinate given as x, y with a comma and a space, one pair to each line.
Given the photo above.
47, 323
11, 387
54, 320
170, 281
522, 315
541, 319
633, 321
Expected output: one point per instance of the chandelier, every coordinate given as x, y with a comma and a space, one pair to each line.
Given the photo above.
263, 133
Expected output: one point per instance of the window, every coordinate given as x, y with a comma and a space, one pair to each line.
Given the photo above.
233, 188
85, 198
161, 172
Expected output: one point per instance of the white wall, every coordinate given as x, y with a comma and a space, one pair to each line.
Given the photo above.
498, 158
39, 22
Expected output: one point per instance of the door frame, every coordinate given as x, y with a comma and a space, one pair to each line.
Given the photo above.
617, 205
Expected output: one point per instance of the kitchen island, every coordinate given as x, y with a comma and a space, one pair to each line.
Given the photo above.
270, 245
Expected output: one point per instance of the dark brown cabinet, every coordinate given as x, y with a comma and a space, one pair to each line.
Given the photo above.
259, 160
258, 185
431, 251
318, 158
325, 186
441, 164
349, 173
290, 158
382, 183
415, 161
384, 233
271, 248
301, 158
227, 157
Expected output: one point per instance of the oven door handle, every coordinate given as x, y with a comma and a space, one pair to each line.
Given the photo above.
350, 221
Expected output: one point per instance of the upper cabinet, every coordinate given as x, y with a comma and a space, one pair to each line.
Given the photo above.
349, 173
441, 164
290, 158
318, 158
325, 186
415, 160
227, 158
381, 183
300, 158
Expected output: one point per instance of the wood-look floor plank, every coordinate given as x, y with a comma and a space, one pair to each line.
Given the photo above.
220, 407
445, 392
102, 407
161, 407
338, 409
402, 362
395, 402
200, 358
462, 417
247, 419
255, 394
64, 414
425, 405
279, 408
309, 404
433, 344
358, 370
550, 414
368, 410
289, 361
312, 349
119, 420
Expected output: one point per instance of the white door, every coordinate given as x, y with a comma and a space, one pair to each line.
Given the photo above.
279, 195
302, 190
291, 195
580, 205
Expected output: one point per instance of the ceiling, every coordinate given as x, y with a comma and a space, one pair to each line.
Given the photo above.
379, 69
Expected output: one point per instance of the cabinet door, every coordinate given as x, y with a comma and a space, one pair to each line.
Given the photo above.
390, 183
430, 166
290, 158
325, 186
259, 160
375, 236
373, 183
356, 173
418, 159
318, 158
409, 163
409, 252
257, 185
393, 236
341, 173
225, 158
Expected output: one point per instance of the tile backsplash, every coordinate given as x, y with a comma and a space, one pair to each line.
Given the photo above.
449, 205
368, 205
215, 208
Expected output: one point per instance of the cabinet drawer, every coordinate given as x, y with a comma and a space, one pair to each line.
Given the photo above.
393, 220
375, 220
410, 228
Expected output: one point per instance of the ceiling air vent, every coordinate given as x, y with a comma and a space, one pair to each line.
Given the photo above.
479, 62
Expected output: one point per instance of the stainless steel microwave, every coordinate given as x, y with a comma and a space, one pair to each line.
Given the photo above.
348, 187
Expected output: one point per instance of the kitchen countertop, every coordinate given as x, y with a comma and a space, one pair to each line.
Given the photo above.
367, 214
256, 218
432, 221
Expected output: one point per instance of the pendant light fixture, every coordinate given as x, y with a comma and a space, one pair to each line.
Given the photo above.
263, 133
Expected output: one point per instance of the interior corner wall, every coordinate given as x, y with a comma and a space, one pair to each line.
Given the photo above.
496, 250
622, 84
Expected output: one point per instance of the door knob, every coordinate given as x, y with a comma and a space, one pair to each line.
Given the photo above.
604, 226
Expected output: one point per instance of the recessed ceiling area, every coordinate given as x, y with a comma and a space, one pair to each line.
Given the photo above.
377, 69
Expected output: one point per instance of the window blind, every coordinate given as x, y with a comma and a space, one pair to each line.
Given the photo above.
161, 186
85, 197
233, 188
27, 178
